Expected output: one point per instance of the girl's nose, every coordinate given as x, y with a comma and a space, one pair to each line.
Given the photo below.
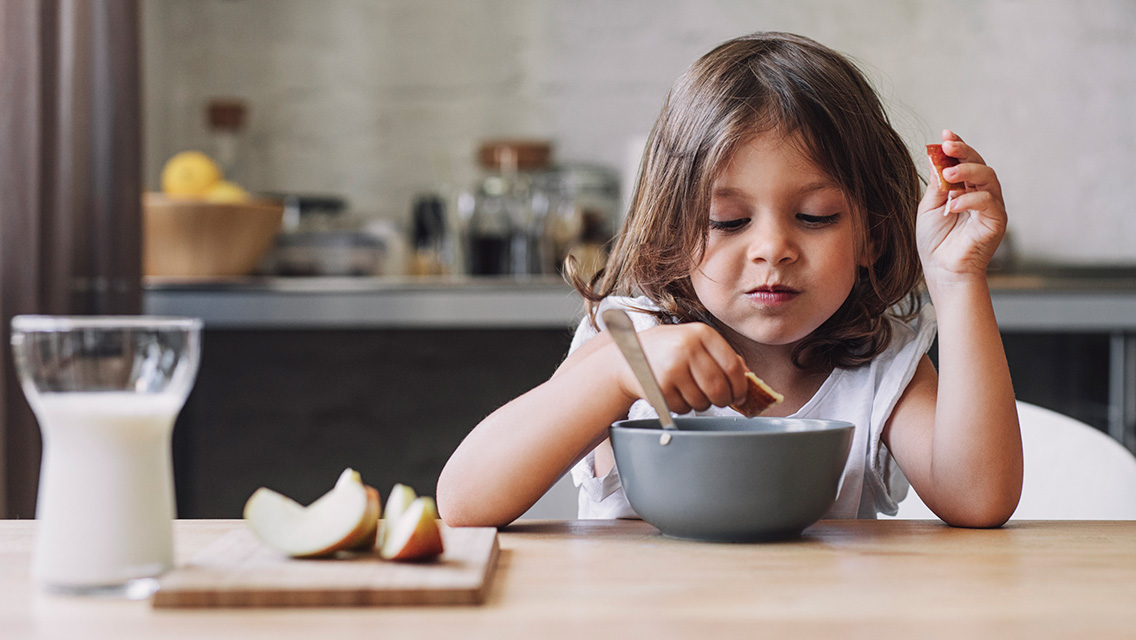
772, 243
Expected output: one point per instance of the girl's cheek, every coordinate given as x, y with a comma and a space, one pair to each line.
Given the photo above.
712, 262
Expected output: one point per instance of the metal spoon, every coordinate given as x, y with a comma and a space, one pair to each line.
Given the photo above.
623, 332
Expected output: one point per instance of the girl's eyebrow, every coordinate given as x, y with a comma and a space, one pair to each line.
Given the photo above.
819, 185
726, 191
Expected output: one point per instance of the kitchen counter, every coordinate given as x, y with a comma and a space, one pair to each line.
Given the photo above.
865, 578
1036, 298
1031, 298
367, 303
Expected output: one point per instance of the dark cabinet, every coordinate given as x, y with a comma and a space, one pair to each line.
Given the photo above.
290, 409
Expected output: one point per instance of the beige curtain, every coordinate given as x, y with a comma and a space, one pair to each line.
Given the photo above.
70, 184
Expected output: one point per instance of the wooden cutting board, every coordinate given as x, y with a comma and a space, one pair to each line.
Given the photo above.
239, 571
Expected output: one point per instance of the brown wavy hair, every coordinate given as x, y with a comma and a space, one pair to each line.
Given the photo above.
748, 86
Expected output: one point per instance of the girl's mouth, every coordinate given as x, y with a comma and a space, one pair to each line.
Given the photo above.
772, 295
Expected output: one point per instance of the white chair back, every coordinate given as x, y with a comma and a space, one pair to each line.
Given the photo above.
1072, 472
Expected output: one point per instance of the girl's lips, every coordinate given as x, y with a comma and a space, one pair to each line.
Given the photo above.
772, 296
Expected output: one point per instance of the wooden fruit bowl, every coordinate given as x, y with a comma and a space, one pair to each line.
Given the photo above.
194, 238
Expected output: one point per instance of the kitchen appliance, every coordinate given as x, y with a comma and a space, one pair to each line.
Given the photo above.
321, 238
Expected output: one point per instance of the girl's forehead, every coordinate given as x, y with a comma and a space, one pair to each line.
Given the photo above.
774, 150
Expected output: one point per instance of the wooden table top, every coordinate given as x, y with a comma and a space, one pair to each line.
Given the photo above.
843, 578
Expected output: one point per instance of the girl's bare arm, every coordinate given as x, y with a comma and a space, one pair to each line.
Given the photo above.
955, 433
513, 456
516, 453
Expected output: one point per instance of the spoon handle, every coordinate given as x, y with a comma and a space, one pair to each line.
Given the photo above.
623, 332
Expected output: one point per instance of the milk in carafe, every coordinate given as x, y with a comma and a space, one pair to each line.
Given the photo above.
106, 499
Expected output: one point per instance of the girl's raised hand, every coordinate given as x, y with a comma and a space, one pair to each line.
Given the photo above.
694, 365
957, 235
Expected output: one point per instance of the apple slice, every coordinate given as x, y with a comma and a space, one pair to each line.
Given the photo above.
344, 517
414, 535
368, 533
400, 498
941, 161
759, 397
398, 501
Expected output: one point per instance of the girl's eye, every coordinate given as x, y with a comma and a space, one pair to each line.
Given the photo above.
728, 225
818, 221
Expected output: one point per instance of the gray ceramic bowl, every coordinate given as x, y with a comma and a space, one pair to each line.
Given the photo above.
732, 479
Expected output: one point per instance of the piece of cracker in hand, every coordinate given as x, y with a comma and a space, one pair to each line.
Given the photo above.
942, 161
759, 397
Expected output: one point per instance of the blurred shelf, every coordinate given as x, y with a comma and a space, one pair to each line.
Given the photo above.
362, 303
1045, 297
1033, 298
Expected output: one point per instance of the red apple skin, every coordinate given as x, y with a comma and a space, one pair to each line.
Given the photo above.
425, 543
364, 536
942, 161
398, 501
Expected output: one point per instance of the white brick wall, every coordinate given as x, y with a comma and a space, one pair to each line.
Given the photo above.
379, 99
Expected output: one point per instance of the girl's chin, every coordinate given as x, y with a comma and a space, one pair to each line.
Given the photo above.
778, 341
766, 337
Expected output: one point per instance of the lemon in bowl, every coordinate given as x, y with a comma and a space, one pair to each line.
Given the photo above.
189, 173
225, 191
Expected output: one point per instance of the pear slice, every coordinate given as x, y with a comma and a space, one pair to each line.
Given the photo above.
344, 517
414, 535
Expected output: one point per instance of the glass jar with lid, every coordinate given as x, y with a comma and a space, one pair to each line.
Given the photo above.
583, 202
504, 232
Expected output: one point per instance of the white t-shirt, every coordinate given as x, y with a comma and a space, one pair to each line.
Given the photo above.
864, 396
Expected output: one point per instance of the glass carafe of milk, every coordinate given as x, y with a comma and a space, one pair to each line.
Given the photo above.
106, 391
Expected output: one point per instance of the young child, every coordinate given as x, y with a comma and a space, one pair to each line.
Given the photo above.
777, 227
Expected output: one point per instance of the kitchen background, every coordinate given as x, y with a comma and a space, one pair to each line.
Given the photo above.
371, 103
377, 101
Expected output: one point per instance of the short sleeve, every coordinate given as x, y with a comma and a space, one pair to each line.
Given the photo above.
638, 308
888, 483
600, 498
603, 498
584, 332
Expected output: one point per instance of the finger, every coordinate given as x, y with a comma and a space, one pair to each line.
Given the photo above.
723, 361
981, 202
674, 381
933, 197
676, 403
976, 176
712, 380
669, 382
971, 173
731, 365
955, 147
689, 395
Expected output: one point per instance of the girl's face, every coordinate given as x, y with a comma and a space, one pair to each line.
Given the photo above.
781, 254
